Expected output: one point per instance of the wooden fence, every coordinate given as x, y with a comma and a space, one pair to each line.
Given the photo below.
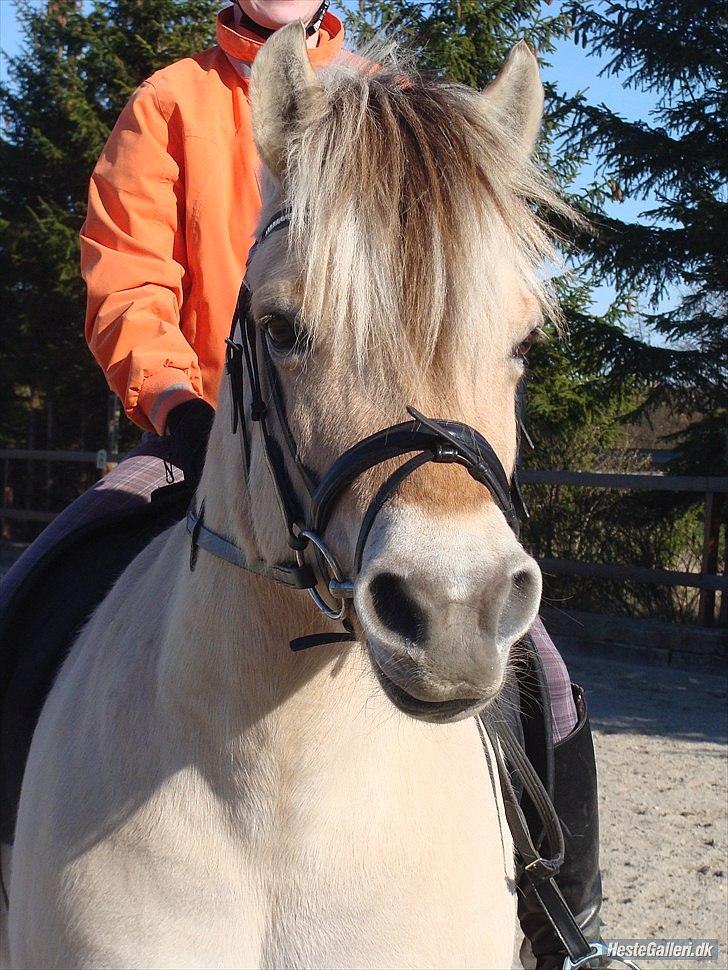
707, 581
19, 507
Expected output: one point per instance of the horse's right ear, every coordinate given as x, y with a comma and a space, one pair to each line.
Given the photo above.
283, 88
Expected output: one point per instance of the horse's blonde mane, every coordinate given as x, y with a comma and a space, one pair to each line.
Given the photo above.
400, 186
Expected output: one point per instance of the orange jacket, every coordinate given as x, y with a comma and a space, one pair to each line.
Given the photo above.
172, 208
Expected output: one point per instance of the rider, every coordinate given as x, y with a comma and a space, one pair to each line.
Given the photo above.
162, 259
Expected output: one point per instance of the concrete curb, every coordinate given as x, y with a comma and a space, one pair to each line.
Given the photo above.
643, 641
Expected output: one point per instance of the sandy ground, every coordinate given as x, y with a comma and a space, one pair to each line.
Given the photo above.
660, 737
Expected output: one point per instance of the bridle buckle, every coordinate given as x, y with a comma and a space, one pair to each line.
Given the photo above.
339, 589
445, 453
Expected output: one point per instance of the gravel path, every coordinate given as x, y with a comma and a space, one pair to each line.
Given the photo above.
660, 737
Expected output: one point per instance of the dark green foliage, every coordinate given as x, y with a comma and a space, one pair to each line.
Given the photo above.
668, 271
676, 161
467, 40
617, 527
79, 65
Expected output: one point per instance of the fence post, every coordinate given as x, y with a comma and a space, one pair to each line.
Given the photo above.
709, 564
6, 497
723, 611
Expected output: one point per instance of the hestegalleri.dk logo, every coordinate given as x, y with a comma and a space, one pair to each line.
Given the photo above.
663, 949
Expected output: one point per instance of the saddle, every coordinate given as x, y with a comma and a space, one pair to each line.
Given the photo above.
43, 619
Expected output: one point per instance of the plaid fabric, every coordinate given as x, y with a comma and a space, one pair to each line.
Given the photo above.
130, 483
142, 471
563, 709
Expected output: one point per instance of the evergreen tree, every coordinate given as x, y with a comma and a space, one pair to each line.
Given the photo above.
79, 64
669, 267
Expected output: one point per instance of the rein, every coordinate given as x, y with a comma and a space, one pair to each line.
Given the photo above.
426, 440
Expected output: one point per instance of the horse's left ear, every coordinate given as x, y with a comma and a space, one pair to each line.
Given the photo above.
517, 95
283, 87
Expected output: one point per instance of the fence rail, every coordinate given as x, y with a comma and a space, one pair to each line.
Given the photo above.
19, 509
707, 581
714, 489
86, 457
638, 574
635, 482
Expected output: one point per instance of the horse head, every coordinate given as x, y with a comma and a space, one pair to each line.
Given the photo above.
404, 274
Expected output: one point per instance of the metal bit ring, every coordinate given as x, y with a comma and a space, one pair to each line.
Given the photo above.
336, 574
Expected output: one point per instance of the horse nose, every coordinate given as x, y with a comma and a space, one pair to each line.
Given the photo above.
421, 610
518, 607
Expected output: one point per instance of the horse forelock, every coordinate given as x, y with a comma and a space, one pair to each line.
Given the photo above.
402, 188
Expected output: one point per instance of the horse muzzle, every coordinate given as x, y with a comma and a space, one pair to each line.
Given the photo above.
440, 604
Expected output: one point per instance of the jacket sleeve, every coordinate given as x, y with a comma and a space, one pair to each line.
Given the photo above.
133, 259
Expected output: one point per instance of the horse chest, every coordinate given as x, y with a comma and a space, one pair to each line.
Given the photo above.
385, 850
360, 869
392, 870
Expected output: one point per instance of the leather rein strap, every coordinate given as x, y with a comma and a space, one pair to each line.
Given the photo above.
538, 869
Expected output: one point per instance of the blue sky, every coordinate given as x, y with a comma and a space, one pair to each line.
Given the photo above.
570, 68
9, 33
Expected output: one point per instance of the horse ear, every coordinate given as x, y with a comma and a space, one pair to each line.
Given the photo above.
517, 95
283, 85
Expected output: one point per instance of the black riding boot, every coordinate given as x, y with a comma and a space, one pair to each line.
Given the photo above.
575, 801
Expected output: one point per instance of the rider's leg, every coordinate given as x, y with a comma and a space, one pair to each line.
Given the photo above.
130, 483
575, 801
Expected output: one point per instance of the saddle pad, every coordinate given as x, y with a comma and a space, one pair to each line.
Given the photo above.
42, 621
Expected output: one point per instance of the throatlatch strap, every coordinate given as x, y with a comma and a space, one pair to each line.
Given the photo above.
289, 574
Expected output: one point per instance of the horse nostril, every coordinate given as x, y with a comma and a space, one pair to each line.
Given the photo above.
519, 603
396, 609
521, 580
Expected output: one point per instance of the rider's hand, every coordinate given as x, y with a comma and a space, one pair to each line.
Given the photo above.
188, 428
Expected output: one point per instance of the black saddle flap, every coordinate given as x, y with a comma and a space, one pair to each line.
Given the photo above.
41, 622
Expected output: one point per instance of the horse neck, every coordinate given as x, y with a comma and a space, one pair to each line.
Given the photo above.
226, 661
260, 719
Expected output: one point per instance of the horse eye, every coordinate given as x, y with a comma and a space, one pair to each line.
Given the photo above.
536, 336
281, 331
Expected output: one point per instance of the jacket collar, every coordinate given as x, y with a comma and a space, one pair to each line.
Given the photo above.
244, 46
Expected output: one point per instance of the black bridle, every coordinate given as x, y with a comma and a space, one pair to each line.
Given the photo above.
425, 439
